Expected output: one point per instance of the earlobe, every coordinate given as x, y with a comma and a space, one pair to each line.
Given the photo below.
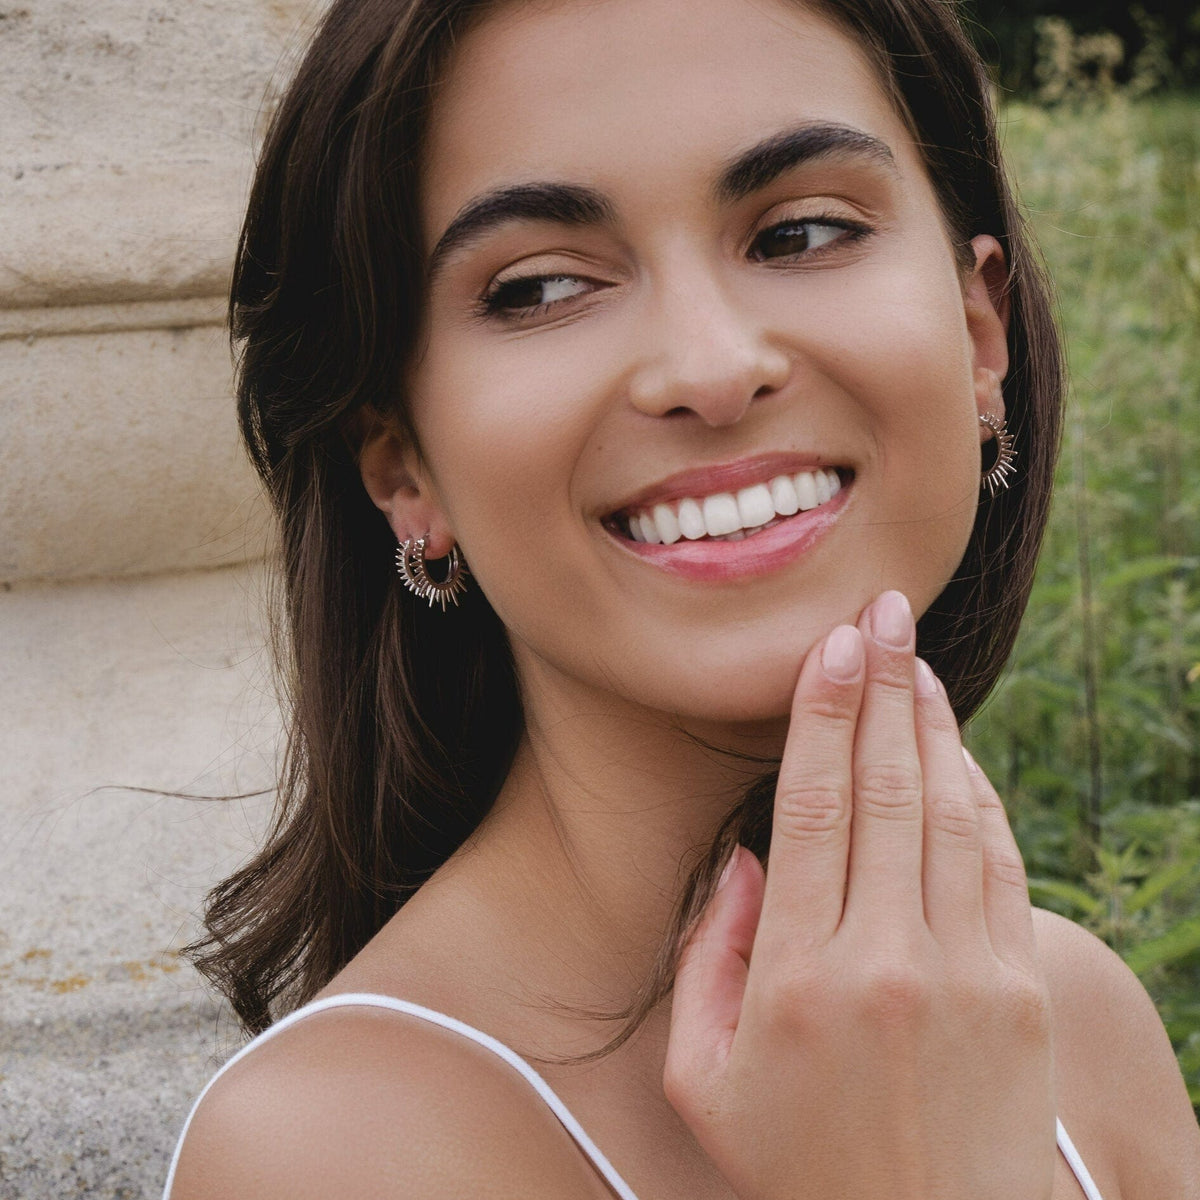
989, 398
394, 480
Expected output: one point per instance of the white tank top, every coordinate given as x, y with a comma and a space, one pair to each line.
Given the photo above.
539, 1085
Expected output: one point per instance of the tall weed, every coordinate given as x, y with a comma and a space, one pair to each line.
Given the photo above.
1094, 734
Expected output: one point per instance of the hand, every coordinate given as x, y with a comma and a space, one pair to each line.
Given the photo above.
889, 1036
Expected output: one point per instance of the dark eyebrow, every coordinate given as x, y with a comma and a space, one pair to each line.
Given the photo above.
755, 168
574, 204
565, 203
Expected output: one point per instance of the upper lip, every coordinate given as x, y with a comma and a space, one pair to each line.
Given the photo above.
722, 477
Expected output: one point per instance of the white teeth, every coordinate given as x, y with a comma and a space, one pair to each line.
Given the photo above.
691, 520
806, 490
732, 517
649, 528
783, 496
668, 524
721, 514
755, 506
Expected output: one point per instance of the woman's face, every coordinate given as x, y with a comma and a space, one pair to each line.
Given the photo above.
686, 252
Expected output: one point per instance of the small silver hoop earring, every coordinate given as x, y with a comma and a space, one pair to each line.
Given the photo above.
411, 564
997, 477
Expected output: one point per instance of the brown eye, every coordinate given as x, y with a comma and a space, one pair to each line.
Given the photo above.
793, 238
533, 292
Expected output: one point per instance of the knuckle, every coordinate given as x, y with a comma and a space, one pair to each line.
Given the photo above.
888, 789
990, 807
894, 993
832, 707
798, 1002
811, 811
1004, 866
892, 678
955, 818
1026, 1004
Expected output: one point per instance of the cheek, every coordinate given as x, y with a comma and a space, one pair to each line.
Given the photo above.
503, 443
907, 376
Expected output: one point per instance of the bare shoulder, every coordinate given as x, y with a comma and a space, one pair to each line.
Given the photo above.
369, 1104
1121, 1095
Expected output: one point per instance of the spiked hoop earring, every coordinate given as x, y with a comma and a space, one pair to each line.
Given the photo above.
411, 564
996, 478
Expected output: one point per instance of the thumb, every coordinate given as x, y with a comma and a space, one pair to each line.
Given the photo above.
711, 979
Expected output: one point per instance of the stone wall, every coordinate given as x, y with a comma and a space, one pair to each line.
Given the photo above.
131, 600
124, 160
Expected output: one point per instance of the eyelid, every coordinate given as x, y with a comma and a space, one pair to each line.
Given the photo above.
818, 206
855, 230
485, 309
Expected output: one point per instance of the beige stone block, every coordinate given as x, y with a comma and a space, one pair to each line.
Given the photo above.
126, 141
119, 454
106, 1036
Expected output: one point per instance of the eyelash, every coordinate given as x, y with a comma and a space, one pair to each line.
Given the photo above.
490, 305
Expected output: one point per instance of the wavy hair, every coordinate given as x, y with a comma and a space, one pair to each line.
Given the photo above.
403, 726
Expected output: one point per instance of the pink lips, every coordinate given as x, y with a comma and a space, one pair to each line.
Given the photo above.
760, 553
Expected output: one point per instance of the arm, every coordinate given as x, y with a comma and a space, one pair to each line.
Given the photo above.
368, 1106
1121, 1095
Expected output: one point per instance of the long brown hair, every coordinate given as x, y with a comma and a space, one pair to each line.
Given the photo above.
403, 722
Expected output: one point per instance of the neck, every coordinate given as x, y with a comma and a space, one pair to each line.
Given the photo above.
605, 812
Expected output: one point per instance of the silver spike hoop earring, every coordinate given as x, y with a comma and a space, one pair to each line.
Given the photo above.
411, 564
997, 477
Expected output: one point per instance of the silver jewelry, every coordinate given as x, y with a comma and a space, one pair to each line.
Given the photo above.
997, 477
411, 564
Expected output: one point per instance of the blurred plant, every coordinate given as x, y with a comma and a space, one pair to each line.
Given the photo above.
1071, 66
1093, 736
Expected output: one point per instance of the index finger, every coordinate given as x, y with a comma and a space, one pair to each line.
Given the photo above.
810, 831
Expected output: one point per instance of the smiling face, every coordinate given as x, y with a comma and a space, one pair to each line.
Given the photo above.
700, 374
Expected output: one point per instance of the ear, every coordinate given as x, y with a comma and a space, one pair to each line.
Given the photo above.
398, 483
986, 303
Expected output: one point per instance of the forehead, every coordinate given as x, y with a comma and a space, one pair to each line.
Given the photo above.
605, 91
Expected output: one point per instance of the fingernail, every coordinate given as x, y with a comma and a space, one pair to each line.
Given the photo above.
926, 680
725, 874
842, 654
891, 619
972, 765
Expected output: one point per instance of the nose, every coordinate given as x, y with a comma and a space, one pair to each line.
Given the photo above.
703, 353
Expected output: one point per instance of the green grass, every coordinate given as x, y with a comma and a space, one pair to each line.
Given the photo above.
1094, 735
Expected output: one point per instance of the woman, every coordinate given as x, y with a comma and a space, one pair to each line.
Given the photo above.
683, 326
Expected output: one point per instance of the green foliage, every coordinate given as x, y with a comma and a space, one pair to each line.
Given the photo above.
1093, 736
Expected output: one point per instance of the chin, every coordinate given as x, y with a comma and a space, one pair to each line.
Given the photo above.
741, 690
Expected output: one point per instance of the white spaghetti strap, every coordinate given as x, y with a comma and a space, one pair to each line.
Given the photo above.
1075, 1162
543, 1089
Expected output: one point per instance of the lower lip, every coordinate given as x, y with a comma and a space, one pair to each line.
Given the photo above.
759, 554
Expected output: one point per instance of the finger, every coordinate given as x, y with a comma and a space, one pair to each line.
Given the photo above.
886, 834
952, 866
810, 831
1005, 887
711, 978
